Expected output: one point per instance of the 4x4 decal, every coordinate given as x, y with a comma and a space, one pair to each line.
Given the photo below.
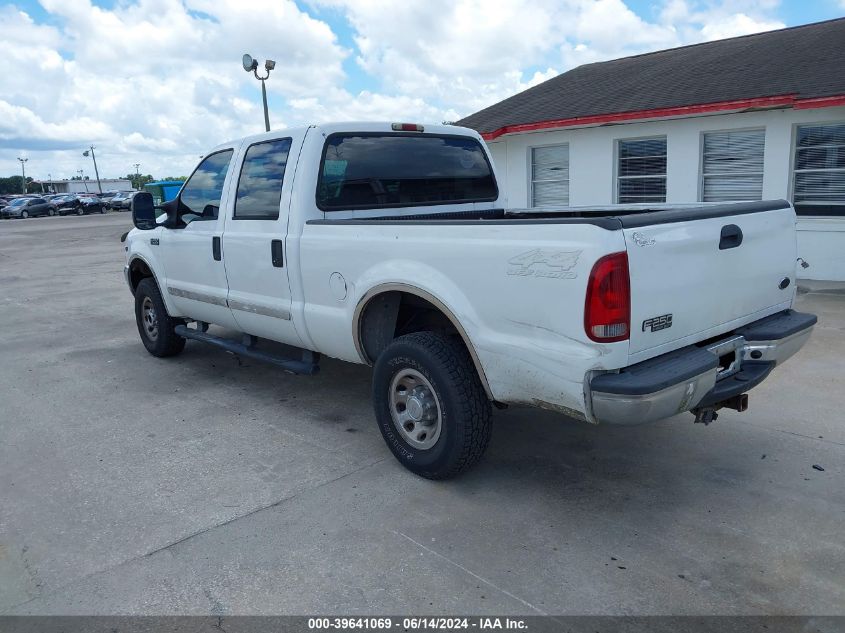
545, 263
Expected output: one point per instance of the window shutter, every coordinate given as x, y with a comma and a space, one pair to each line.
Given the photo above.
550, 176
819, 186
732, 165
642, 171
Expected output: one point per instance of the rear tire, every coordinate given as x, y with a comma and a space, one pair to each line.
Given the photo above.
51, 212
430, 405
24, 215
79, 211
155, 326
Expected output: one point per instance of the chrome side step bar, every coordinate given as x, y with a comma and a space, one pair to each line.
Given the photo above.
308, 365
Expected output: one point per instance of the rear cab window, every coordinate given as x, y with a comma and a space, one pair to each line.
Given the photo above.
376, 170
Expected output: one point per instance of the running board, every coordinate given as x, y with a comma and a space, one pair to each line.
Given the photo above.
308, 366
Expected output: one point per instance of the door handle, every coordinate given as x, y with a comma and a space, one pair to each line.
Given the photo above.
215, 248
277, 253
731, 237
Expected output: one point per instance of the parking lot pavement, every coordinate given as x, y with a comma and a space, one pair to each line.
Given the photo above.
209, 484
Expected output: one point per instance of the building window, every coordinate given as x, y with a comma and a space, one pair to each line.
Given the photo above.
732, 165
642, 170
550, 176
819, 175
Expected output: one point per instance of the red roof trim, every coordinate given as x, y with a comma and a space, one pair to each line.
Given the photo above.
790, 100
820, 102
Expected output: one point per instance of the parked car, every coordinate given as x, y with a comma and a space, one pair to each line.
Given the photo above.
90, 203
27, 207
388, 244
65, 203
106, 197
121, 201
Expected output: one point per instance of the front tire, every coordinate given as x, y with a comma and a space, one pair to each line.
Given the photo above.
79, 211
24, 215
430, 405
155, 326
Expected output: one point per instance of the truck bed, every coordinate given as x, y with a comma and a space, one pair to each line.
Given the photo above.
610, 217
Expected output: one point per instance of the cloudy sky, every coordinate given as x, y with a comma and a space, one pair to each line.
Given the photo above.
158, 82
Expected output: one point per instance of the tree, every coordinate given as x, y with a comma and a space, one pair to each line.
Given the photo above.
140, 180
12, 184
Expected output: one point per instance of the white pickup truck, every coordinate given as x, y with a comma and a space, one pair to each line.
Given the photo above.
387, 244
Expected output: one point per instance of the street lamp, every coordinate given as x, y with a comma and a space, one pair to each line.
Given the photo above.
251, 66
137, 176
23, 173
96, 173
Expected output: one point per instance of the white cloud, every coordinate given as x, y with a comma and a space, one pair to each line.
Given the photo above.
467, 54
159, 82
156, 82
464, 54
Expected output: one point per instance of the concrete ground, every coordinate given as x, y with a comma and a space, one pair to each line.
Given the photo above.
208, 485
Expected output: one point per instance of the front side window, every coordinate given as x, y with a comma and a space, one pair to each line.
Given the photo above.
642, 170
819, 175
366, 171
550, 176
732, 165
260, 184
200, 197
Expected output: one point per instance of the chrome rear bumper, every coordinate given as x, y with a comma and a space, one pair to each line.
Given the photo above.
698, 376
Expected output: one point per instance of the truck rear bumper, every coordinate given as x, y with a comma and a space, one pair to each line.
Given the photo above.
699, 375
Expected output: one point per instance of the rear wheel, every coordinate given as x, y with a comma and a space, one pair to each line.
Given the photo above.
79, 211
51, 212
24, 214
430, 405
102, 209
155, 326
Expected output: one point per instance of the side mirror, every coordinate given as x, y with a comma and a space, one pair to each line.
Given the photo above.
143, 211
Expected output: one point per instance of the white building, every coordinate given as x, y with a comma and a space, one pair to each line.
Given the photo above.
85, 186
748, 118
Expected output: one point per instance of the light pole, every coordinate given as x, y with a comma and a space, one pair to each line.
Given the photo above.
96, 173
251, 65
137, 177
50, 183
82, 178
23, 173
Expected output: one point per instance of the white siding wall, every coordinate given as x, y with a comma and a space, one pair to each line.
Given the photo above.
592, 158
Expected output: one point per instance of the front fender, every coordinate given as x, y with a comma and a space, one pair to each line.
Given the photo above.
139, 247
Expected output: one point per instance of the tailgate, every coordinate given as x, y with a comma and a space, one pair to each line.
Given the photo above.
698, 277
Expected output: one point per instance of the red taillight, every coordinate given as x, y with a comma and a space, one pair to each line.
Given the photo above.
407, 127
607, 311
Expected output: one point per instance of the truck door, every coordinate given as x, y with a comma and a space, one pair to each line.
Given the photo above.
254, 241
192, 250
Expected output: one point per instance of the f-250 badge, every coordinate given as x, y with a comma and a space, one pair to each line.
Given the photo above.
658, 323
544, 263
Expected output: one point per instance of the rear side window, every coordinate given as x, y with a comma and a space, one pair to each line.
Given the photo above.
366, 171
260, 185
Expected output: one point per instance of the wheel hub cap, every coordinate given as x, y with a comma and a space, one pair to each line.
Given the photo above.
149, 319
415, 409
